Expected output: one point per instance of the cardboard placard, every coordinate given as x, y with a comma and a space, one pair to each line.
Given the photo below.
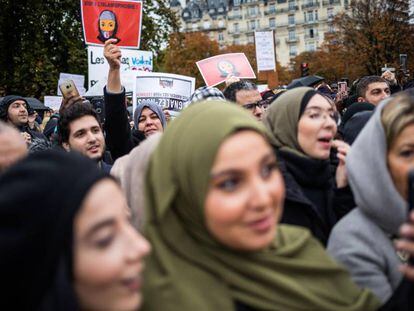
106, 19
265, 50
216, 69
169, 91
53, 102
131, 60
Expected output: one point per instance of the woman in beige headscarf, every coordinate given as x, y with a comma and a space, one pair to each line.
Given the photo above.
130, 171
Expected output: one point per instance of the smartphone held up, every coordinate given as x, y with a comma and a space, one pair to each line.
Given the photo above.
68, 89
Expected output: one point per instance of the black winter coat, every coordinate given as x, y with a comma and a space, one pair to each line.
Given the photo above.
312, 200
119, 137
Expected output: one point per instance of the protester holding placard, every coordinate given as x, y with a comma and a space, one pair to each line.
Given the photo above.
119, 136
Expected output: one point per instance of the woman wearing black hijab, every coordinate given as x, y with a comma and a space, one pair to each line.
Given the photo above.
303, 124
66, 242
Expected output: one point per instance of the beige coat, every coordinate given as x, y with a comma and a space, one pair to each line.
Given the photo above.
130, 171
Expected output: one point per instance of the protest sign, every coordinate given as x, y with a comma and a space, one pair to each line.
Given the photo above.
78, 79
131, 60
169, 91
265, 50
53, 102
110, 19
216, 69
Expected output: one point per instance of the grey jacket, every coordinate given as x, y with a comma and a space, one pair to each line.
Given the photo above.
362, 240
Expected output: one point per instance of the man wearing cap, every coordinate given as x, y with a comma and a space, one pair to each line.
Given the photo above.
14, 111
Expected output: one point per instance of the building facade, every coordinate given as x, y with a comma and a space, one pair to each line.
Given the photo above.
298, 25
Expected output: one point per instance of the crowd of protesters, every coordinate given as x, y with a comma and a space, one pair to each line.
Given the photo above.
290, 199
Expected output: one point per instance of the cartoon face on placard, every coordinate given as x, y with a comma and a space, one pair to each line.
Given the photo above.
216, 69
107, 26
110, 19
227, 68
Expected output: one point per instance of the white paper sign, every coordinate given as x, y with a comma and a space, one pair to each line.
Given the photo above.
170, 91
78, 79
53, 102
132, 60
265, 50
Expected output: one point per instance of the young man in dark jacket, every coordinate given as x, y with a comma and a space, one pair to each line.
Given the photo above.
80, 130
14, 111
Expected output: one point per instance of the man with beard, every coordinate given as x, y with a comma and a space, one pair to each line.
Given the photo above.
80, 130
14, 111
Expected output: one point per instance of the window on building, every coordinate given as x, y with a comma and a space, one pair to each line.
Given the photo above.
220, 37
236, 2
272, 8
293, 50
252, 10
311, 33
330, 13
331, 28
195, 13
292, 34
310, 16
291, 19
291, 4
310, 46
250, 39
316, 15
253, 24
236, 27
206, 25
272, 22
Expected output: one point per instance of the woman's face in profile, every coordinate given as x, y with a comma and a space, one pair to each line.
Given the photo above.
108, 252
246, 191
401, 159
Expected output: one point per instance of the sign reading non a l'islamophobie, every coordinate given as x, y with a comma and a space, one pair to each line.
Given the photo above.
110, 19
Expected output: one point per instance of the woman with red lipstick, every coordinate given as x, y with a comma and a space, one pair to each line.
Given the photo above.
303, 124
214, 197
66, 241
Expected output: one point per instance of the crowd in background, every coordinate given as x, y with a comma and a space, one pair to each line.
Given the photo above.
291, 199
